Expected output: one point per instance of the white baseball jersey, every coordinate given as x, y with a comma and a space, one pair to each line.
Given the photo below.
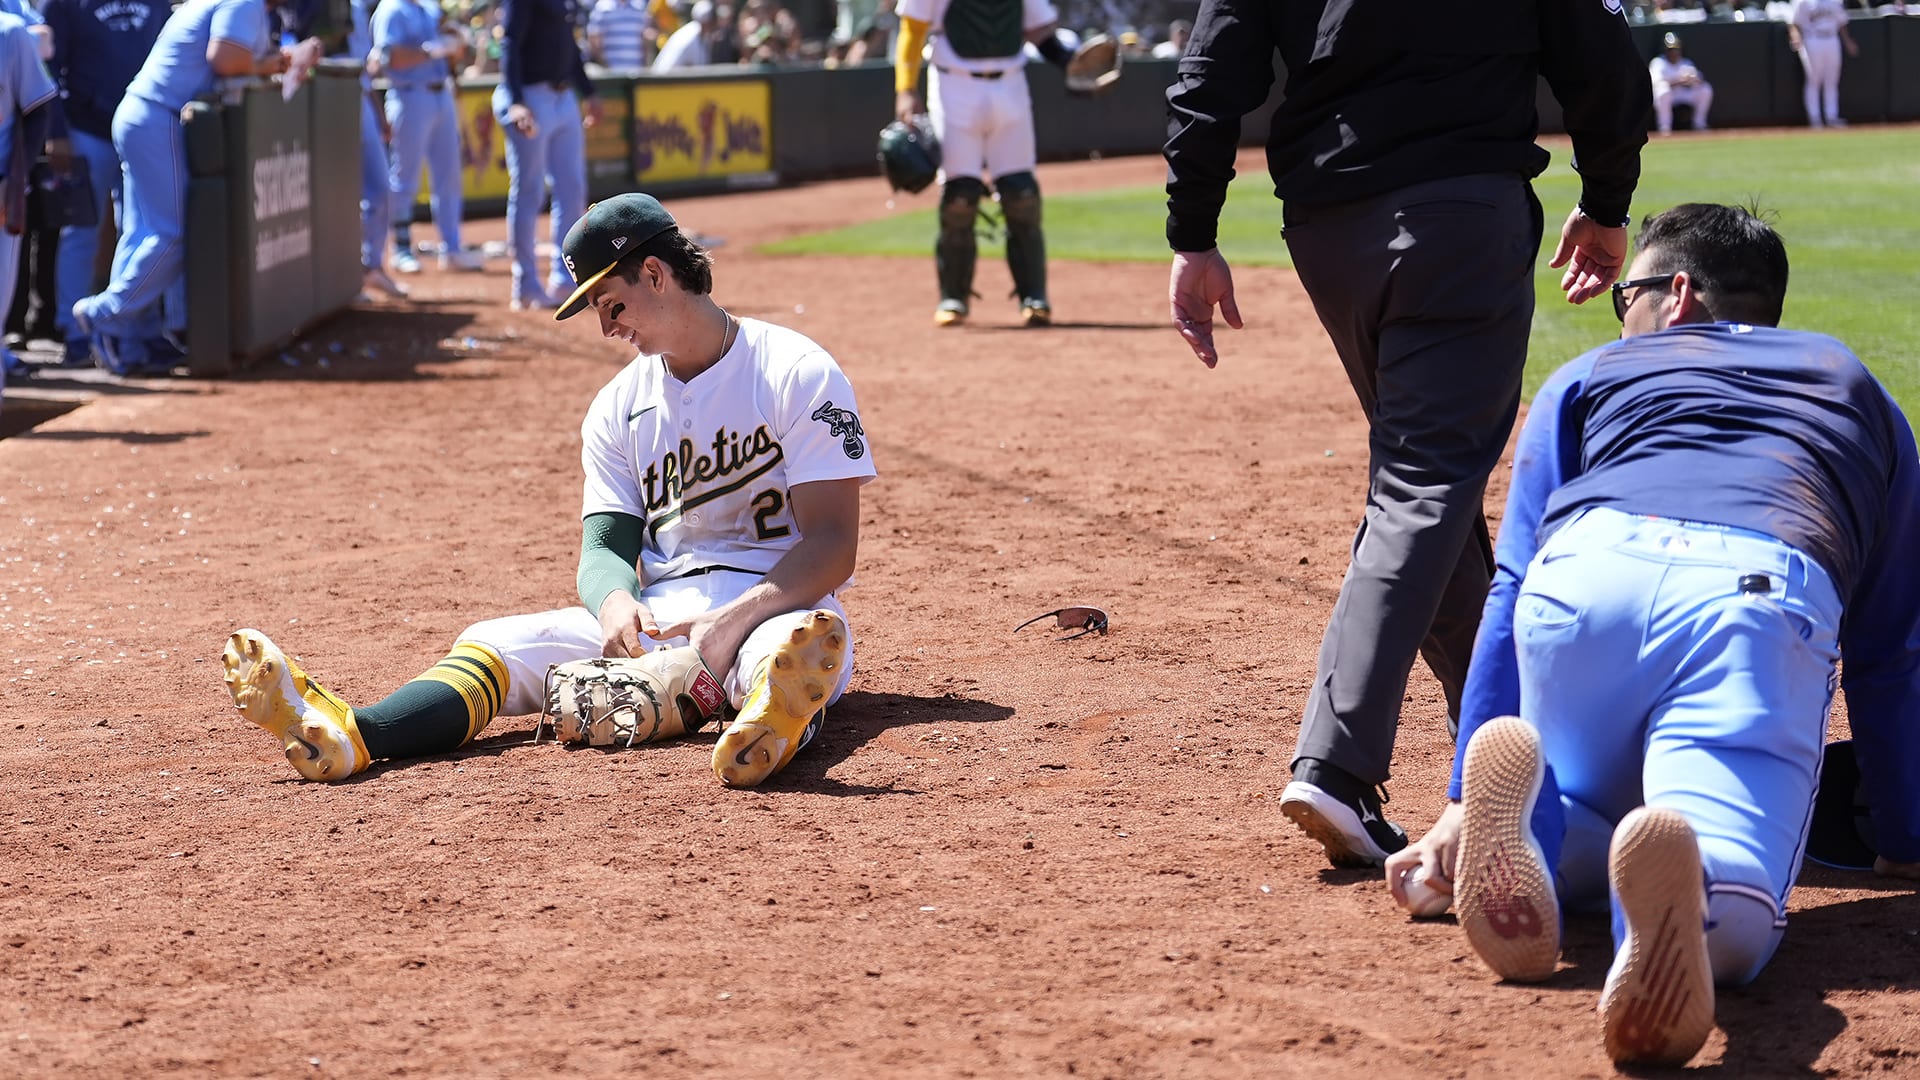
708, 464
1819, 18
1666, 72
1033, 14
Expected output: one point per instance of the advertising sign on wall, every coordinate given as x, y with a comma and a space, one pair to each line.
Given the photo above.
697, 130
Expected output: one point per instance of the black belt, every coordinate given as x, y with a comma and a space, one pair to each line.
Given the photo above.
989, 75
697, 571
560, 87
435, 87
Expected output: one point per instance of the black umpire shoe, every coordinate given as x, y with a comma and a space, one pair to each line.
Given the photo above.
1342, 813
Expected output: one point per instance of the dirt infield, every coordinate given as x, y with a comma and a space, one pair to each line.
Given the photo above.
1007, 856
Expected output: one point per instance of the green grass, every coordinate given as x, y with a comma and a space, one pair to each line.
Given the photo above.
1845, 202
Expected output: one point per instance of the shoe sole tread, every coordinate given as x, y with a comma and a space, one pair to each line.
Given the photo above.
1657, 1007
801, 673
1504, 892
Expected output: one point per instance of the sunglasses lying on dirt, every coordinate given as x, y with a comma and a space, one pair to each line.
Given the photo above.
1087, 620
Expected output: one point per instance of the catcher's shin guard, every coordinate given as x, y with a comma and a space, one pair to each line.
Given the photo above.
784, 703
955, 250
315, 728
1026, 244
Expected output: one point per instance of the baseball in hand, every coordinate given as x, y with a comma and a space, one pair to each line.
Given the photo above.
1426, 899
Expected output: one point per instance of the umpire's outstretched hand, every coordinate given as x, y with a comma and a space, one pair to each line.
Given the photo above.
1594, 254
1201, 279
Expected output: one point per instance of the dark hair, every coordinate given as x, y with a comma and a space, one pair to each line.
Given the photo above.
691, 265
1738, 264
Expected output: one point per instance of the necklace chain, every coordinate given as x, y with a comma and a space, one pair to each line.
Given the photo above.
726, 336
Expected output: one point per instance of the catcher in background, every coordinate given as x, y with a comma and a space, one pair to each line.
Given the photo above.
1705, 517
721, 514
983, 116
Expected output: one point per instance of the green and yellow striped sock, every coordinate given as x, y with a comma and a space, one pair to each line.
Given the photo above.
442, 710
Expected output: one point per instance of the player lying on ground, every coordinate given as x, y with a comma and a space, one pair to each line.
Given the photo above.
1694, 508
724, 464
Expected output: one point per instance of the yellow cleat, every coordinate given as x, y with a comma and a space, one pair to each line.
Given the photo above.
785, 703
950, 313
315, 728
1036, 312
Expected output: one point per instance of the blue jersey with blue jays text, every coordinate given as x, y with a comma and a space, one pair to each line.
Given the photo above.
1781, 432
98, 47
177, 70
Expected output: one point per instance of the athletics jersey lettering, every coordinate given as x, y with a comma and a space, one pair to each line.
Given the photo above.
667, 481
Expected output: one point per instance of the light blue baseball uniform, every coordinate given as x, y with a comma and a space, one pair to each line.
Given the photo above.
25, 12
24, 87
421, 114
1692, 512
375, 198
541, 68
149, 262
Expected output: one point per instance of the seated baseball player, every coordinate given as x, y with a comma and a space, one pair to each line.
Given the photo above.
1705, 517
1677, 81
722, 512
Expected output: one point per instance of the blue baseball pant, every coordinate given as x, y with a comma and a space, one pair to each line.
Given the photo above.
74, 259
150, 261
426, 129
1654, 678
375, 200
557, 153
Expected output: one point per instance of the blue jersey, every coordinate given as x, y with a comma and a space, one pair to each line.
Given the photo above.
98, 47
359, 43
1781, 432
177, 70
412, 24
537, 46
24, 82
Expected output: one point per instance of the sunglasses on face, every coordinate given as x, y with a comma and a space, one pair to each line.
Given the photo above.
1087, 620
1620, 301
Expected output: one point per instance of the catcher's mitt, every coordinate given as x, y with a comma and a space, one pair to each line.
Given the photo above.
1094, 67
625, 701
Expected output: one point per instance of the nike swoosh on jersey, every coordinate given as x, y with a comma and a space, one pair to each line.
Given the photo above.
632, 416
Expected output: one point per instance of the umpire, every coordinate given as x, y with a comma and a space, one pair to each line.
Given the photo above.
1404, 151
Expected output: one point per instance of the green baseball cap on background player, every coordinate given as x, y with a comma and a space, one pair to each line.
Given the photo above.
606, 232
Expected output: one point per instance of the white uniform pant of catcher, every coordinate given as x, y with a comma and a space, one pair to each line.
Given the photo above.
985, 125
1820, 57
1698, 97
531, 644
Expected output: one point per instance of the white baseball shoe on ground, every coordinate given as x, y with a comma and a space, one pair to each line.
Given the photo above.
1503, 887
1657, 1007
466, 261
406, 262
376, 280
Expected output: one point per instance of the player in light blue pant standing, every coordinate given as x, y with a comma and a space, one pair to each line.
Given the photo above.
417, 54
375, 198
1705, 517
204, 41
98, 47
25, 92
543, 81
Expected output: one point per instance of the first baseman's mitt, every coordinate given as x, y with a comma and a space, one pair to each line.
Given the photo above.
1094, 67
626, 701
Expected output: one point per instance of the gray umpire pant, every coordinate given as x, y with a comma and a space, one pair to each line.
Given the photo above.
1427, 292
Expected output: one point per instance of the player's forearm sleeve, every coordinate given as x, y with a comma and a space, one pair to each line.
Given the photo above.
1595, 72
1546, 456
1880, 661
907, 48
609, 550
1225, 74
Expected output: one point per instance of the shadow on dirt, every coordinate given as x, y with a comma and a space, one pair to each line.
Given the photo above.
857, 719
1781, 1023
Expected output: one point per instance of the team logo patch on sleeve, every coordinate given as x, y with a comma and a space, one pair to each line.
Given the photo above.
844, 424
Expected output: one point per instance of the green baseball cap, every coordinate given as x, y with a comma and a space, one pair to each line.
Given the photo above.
606, 232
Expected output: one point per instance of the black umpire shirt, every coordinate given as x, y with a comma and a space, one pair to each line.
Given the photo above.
1381, 94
